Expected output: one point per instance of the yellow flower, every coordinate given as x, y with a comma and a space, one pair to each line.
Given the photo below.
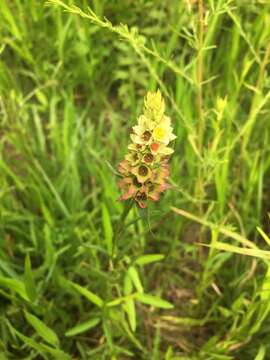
141, 135
142, 173
165, 150
145, 169
133, 158
163, 132
146, 123
136, 147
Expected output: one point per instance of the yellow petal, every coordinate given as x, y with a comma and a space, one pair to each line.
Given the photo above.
160, 133
166, 150
165, 121
139, 130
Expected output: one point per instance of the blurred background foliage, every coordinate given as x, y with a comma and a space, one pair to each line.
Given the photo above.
71, 87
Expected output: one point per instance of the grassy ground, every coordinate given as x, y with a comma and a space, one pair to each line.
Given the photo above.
72, 84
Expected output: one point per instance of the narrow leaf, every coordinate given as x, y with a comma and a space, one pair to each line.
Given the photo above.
263, 234
128, 286
220, 228
42, 329
185, 321
29, 282
148, 259
107, 332
261, 353
154, 301
131, 312
40, 347
14, 285
134, 276
95, 299
82, 327
262, 254
107, 228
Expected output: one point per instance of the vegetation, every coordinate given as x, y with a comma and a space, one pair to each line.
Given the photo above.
84, 276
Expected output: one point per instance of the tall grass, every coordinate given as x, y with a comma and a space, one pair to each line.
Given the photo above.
72, 81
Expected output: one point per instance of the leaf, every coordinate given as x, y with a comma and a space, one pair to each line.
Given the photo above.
134, 276
82, 327
95, 299
263, 234
29, 282
148, 259
131, 312
185, 321
261, 353
154, 301
220, 228
224, 311
262, 254
108, 334
41, 97
107, 228
40, 347
42, 329
31, 342
128, 286
6, 267
120, 300
52, 188
11, 20
14, 285
264, 293
251, 249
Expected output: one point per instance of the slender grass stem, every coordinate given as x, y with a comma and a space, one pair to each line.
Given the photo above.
201, 122
256, 98
120, 226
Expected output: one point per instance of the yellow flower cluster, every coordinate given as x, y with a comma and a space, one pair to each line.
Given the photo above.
145, 168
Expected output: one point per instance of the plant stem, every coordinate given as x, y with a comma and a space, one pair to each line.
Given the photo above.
256, 98
201, 123
120, 224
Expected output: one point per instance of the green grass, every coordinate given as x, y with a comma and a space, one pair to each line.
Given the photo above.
76, 282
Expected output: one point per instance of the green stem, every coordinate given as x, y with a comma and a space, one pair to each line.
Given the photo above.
201, 124
201, 121
120, 224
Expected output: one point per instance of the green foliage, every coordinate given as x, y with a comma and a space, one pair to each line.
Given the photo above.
42, 329
83, 277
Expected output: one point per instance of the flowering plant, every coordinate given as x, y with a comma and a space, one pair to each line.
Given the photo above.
145, 169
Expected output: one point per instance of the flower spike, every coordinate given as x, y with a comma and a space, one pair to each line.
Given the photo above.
145, 169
